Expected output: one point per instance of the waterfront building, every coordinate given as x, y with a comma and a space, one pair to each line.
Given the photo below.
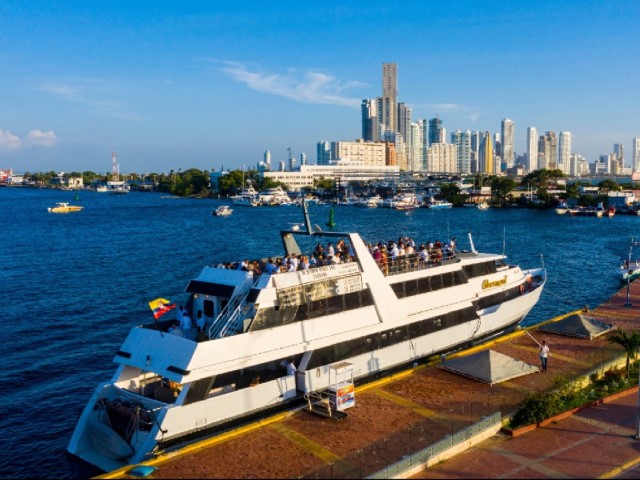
390, 95
416, 146
371, 154
476, 139
303, 158
532, 149
618, 152
508, 143
343, 170
404, 129
436, 132
599, 167
636, 155
442, 158
564, 151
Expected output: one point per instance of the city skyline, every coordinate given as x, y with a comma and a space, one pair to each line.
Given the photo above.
204, 86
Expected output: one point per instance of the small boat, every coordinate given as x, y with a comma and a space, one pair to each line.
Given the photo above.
63, 207
223, 211
362, 317
611, 212
438, 204
562, 208
483, 206
629, 271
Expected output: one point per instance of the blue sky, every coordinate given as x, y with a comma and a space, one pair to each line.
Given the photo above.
169, 85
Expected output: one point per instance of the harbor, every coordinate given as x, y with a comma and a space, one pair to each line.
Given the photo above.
402, 414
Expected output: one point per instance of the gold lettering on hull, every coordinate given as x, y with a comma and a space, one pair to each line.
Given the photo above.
496, 283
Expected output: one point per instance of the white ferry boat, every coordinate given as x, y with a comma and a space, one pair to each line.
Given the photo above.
372, 315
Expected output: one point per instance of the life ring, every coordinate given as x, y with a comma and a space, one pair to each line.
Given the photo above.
521, 288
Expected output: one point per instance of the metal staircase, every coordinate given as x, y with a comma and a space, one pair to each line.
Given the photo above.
231, 319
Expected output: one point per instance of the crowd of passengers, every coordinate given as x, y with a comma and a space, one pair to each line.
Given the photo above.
401, 253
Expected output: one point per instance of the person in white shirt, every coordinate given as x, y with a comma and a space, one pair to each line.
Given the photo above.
544, 354
200, 321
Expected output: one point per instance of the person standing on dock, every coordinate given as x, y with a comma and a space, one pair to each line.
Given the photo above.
544, 354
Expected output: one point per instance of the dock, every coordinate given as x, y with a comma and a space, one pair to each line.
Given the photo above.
407, 412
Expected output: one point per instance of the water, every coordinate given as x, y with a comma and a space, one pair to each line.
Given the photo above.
73, 285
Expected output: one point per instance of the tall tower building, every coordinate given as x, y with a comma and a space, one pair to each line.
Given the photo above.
532, 149
370, 114
436, 134
462, 140
485, 155
508, 143
267, 160
416, 147
390, 95
548, 151
618, 152
404, 121
323, 153
636, 155
564, 152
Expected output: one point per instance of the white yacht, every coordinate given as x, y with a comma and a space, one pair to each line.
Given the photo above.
369, 315
402, 201
246, 197
274, 197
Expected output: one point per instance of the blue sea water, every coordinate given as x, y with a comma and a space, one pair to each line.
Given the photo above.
73, 285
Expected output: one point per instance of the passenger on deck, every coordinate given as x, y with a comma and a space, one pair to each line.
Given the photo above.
255, 381
200, 321
175, 329
271, 267
291, 368
186, 325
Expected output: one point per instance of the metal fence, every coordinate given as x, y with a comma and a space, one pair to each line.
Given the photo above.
405, 449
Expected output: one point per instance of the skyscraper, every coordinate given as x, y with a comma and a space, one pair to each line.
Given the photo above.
532, 149
390, 96
485, 160
436, 134
564, 152
323, 153
404, 121
548, 151
508, 146
636, 155
462, 140
370, 114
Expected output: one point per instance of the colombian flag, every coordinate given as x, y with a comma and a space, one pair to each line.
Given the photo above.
160, 306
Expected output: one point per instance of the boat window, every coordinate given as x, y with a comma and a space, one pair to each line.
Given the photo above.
352, 300
199, 389
208, 308
424, 285
411, 288
398, 288
436, 282
321, 356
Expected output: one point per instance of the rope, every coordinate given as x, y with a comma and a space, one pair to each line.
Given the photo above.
563, 299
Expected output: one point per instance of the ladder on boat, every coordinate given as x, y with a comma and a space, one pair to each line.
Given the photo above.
231, 319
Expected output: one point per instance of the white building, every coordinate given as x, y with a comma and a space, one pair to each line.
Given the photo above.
442, 158
508, 143
564, 151
345, 170
532, 148
371, 154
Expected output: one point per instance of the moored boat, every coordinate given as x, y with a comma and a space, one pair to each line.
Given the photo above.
483, 206
63, 207
369, 311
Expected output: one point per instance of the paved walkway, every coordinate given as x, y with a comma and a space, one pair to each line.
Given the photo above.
598, 442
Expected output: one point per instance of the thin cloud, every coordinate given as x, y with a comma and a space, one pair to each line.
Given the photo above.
307, 87
9, 141
40, 138
35, 138
83, 92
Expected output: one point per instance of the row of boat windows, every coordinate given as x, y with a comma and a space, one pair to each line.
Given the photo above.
272, 316
498, 298
358, 346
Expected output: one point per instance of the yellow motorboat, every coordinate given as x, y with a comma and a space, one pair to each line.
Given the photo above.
63, 207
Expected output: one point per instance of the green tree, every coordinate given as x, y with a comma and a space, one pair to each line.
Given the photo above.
629, 342
501, 187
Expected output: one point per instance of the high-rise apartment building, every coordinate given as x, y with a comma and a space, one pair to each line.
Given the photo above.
618, 152
564, 152
508, 143
462, 140
416, 147
548, 151
404, 120
436, 132
442, 158
532, 149
323, 153
390, 95
636, 155
371, 154
370, 118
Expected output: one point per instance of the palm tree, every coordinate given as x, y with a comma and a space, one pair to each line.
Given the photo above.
629, 342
